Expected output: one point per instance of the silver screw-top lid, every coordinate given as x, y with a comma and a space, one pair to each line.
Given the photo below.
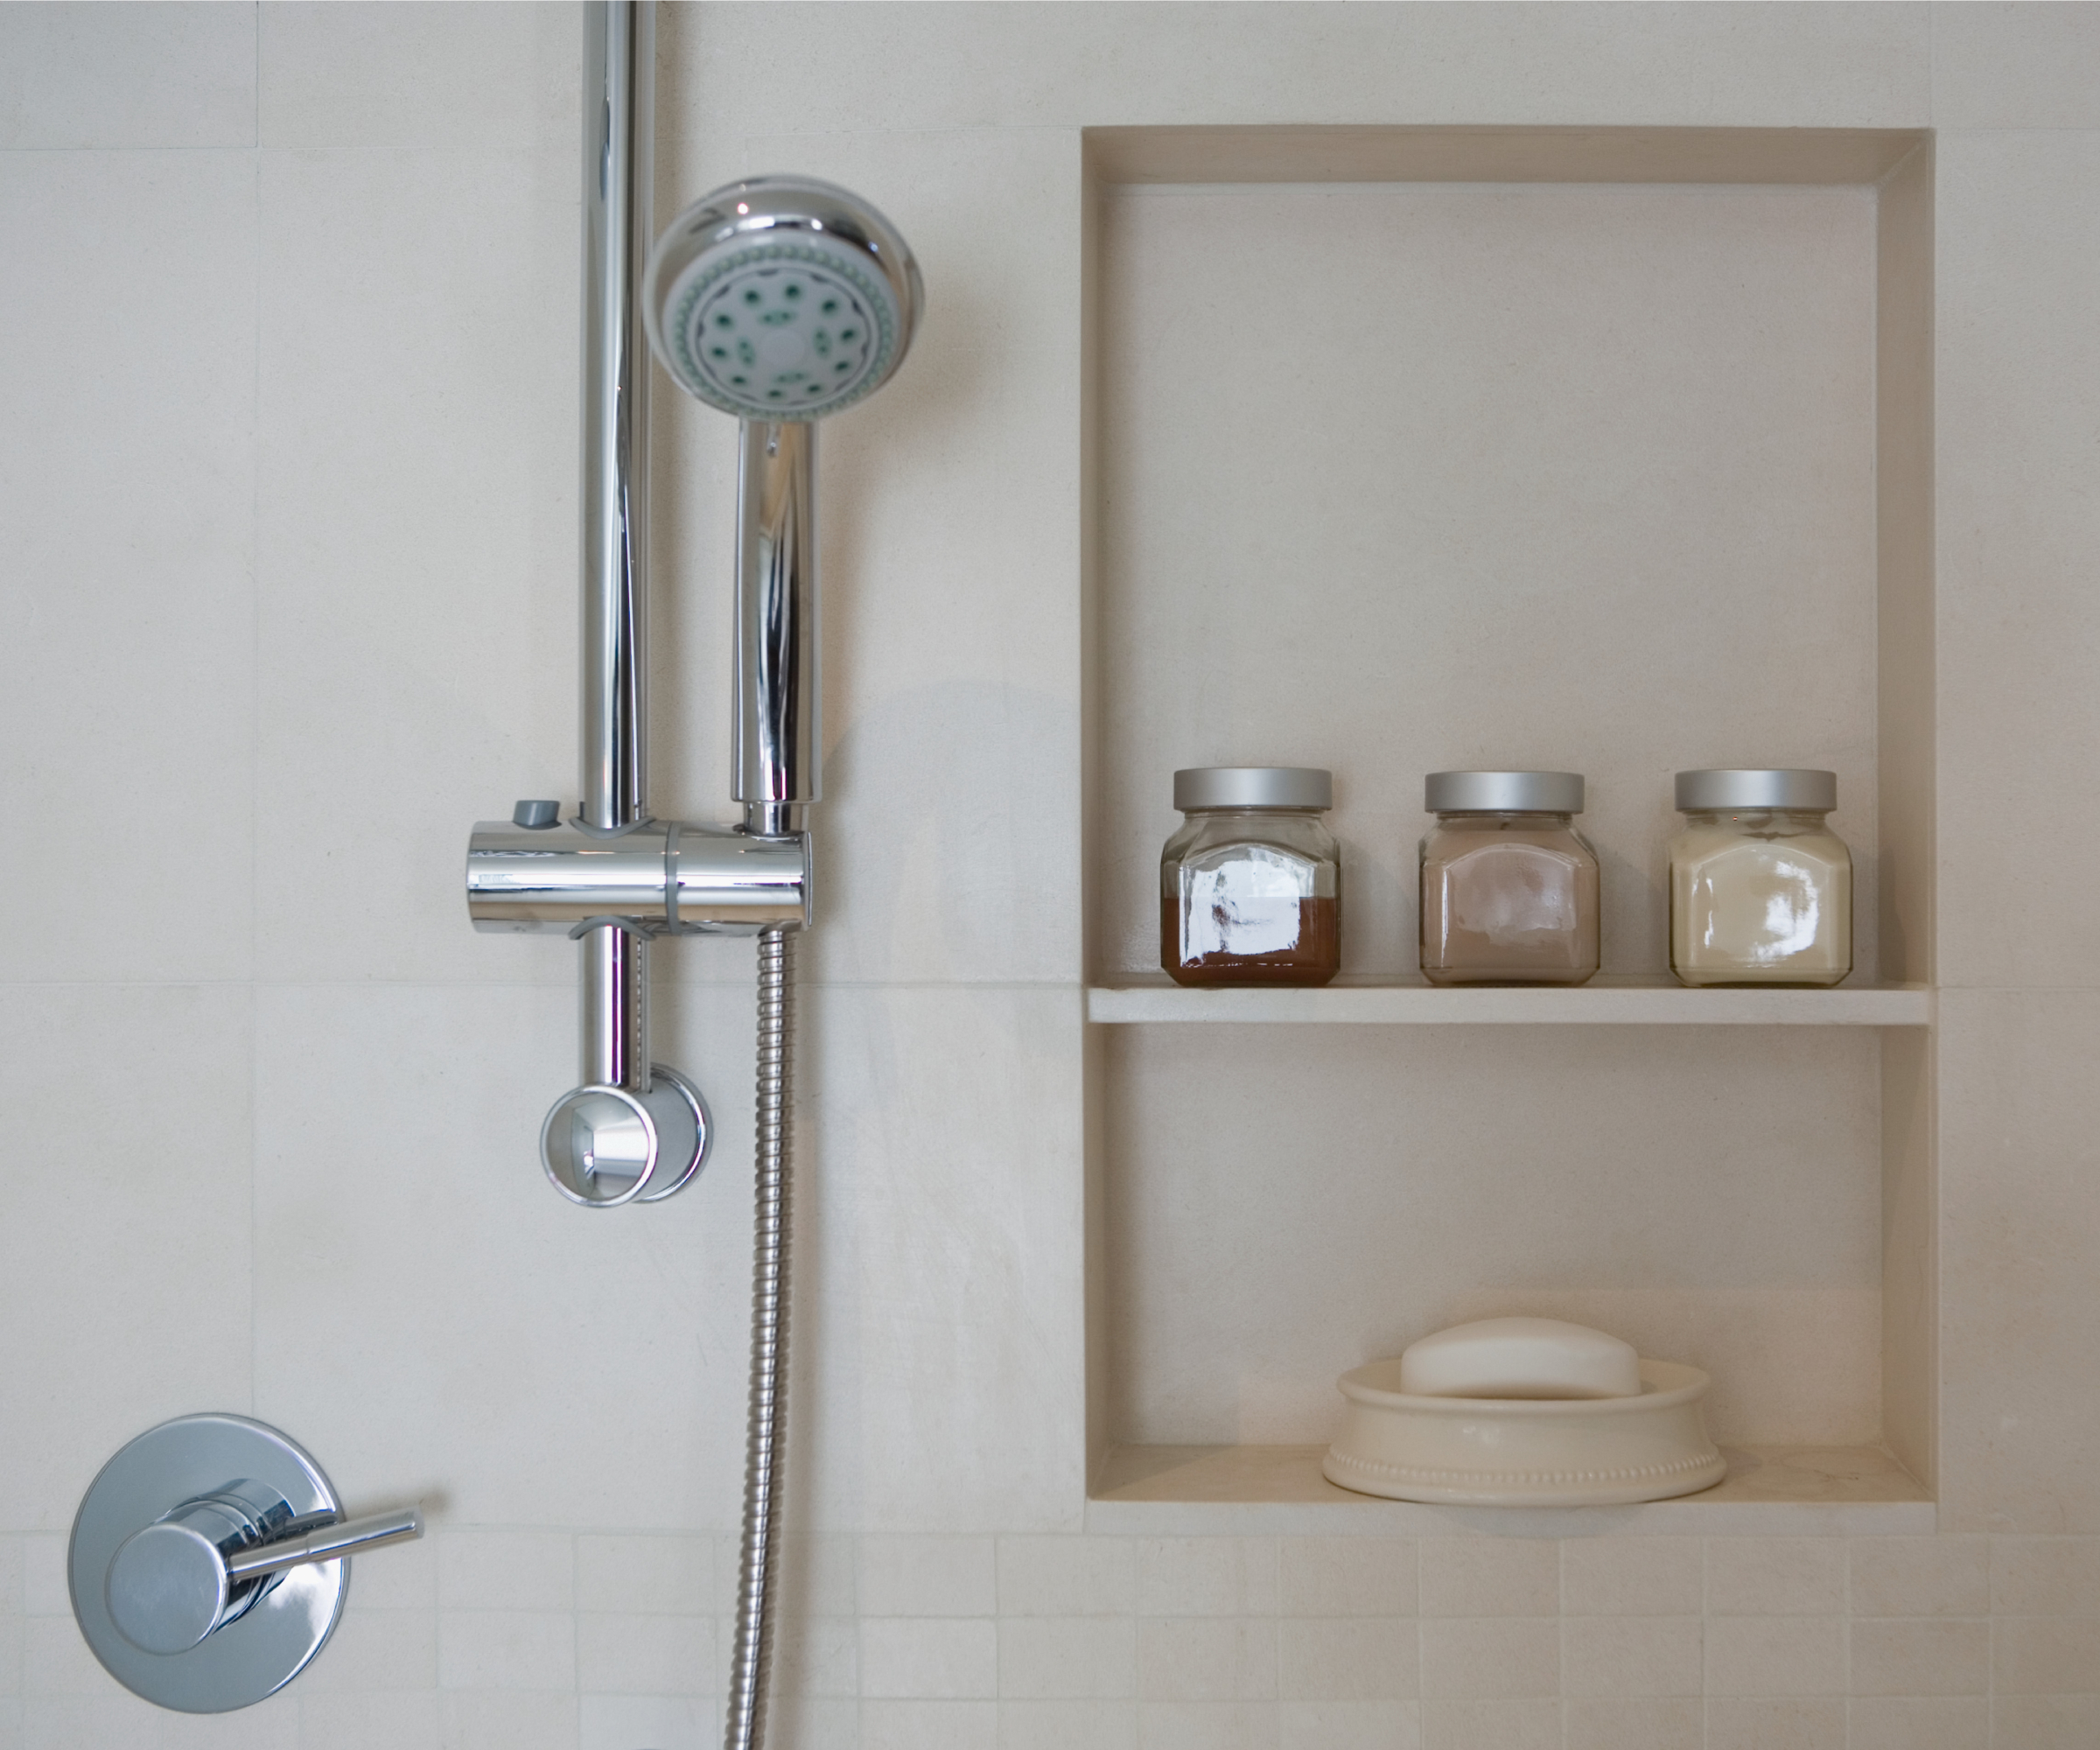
1512, 793
1779, 788
1253, 786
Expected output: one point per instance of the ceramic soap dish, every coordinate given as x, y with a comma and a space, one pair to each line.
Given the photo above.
1517, 1415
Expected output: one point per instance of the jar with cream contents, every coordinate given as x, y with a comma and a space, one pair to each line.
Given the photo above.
1760, 889
1508, 886
1250, 886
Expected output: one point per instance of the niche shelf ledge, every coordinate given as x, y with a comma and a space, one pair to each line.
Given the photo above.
1603, 1002
1278, 1491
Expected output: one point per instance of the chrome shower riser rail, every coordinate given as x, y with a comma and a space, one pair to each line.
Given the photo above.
619, 134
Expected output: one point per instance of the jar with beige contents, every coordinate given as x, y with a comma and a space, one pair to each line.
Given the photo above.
1508, 886
1760, 889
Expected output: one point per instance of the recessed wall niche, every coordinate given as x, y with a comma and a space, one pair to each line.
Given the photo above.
1590, 449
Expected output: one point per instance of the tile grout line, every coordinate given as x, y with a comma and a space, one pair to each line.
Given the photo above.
1991, 1642
1845, 1607
1706, 1653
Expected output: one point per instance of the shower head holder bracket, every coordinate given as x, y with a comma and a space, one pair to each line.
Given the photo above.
655, 878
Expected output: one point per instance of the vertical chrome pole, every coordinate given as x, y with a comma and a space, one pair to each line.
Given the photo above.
778, 731
620, 82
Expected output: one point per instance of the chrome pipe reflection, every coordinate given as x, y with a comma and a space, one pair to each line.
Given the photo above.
616, 1013
779, 729
326, 1543
619, 134
619, 48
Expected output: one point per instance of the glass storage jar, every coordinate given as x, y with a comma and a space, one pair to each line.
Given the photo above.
1760, 889
1508, 886
1250, 886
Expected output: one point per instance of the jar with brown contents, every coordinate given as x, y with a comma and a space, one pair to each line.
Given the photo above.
1250, 886
1508, 886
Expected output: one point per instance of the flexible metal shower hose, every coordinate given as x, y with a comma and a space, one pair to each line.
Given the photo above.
746, 1723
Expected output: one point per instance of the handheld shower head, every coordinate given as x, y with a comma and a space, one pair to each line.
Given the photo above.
780, 298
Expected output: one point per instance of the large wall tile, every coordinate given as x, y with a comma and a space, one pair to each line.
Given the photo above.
2018, 384
417, 547
123, 1226
173, 74
973, 67
2019, 1251
2000, 65
504, 76
128, 496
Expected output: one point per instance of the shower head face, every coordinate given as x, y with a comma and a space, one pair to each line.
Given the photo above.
780, 298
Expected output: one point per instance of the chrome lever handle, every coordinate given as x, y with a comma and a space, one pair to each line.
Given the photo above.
345, 1538
206, 1563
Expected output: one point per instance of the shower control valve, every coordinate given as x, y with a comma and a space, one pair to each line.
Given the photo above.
209, 1560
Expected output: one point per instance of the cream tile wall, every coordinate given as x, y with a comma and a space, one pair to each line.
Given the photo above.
287, 511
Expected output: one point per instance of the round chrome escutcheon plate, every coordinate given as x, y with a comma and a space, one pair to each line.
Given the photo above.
255, 1654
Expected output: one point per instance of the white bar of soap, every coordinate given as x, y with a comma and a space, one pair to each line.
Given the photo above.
1521, 1358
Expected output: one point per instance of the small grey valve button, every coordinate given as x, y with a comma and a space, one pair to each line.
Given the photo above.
535, 815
